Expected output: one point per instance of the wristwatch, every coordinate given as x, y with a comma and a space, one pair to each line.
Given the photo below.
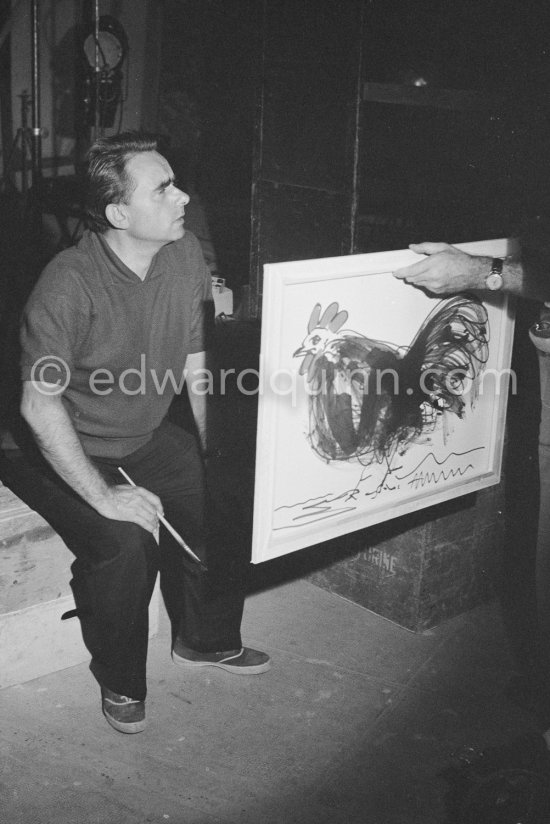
494, 281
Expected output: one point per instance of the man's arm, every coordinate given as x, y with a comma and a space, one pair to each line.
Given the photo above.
195, 371
446, 269
60, 445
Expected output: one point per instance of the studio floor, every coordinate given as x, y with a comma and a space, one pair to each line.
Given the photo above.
359, 720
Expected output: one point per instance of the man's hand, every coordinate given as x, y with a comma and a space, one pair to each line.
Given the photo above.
445, 269
131, 503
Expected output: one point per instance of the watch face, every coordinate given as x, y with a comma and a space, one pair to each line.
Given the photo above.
493, 281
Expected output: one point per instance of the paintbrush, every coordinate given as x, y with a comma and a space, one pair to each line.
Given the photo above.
177, 537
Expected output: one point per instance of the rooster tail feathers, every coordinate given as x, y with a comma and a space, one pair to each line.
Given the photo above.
450, 351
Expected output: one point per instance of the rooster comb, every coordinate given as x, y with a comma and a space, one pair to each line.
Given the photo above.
331, 318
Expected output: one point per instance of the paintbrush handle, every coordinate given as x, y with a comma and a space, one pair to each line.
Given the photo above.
167, 524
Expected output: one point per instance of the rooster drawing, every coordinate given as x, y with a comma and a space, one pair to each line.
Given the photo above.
369, 398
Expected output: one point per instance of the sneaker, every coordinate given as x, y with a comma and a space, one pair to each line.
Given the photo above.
243, 661
123, 713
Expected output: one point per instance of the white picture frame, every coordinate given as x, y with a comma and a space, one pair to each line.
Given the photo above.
333, 456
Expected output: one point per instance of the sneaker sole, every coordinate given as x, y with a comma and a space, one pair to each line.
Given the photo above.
130, 728
254, 670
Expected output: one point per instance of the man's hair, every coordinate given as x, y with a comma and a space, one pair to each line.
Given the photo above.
108, 180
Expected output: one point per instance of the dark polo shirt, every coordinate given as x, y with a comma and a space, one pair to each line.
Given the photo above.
120, 342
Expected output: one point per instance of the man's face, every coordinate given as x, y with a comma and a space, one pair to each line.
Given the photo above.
156, 206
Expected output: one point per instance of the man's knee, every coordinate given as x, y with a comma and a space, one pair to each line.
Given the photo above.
124, 542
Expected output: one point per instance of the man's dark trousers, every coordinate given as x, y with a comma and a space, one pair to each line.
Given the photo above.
117, 561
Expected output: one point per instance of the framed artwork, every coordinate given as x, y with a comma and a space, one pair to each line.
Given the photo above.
375, 399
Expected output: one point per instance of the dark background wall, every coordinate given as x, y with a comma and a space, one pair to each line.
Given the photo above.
267, 100
207, 102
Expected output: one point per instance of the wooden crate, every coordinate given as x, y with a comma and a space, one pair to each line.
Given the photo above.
422, 569
34, 594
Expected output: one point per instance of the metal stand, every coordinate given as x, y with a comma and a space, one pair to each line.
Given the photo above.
29, 140
36, 130
97, 74
21, 141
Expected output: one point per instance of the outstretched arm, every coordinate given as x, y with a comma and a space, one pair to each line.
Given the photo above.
446, 269
60, 445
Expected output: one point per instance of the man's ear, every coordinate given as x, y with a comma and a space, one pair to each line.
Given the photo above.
116, 215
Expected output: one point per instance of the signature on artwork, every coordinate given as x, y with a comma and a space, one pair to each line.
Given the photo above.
430, 471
